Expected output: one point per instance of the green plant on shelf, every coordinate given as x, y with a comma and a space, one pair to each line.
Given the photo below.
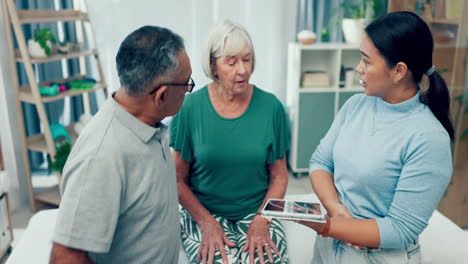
365, 9
62, 142
352, 10
61, 156
42, 37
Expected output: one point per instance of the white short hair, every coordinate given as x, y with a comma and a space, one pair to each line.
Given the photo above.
225, 39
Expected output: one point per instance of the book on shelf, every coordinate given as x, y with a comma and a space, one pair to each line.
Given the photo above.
315, 79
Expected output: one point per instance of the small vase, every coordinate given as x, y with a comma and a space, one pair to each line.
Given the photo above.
35, 50
353, 29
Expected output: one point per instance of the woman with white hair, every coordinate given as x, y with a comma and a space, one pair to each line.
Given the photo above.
230, 141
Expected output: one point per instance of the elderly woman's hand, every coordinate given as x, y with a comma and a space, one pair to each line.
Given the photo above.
213, 238
258, 239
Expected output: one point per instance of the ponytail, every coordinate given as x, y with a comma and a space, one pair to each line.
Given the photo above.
437, 97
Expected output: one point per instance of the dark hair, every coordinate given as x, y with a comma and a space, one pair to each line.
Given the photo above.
405, 37
147, 54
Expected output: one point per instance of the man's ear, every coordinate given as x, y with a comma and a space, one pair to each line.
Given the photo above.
401, 69
160, 95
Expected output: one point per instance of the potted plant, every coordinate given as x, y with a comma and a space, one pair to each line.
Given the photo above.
355, 17
61, 156
62, 143
41, 44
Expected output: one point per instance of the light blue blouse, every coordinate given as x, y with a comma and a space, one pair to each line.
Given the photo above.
390, 162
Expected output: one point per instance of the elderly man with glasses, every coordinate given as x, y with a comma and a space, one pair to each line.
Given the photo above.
119, 194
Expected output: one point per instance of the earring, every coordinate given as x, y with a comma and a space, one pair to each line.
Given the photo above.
395, 82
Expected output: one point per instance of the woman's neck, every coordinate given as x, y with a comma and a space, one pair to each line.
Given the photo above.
228, 97
401, 93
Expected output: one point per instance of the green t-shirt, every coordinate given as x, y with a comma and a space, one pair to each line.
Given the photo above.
229, 157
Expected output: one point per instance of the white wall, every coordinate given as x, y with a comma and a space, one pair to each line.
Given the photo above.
271, 24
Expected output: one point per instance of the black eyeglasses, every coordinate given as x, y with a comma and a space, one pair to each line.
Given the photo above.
190, 84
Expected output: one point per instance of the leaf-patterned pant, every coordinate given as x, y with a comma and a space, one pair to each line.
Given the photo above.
236, 231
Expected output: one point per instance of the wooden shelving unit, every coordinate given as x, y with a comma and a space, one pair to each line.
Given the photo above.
30, 93
38, 142
55, 57
446, 21
25, 94
451, 55
50, 16
50, 196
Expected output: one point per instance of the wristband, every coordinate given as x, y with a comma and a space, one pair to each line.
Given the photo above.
326, 230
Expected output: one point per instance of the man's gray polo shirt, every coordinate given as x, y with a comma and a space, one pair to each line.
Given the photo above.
119, 193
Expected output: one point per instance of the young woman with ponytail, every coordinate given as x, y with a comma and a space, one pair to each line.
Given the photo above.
385, 163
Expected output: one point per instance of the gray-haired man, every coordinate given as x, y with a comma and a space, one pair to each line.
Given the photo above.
119, 196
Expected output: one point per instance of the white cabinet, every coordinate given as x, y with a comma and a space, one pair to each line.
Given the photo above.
312, 110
